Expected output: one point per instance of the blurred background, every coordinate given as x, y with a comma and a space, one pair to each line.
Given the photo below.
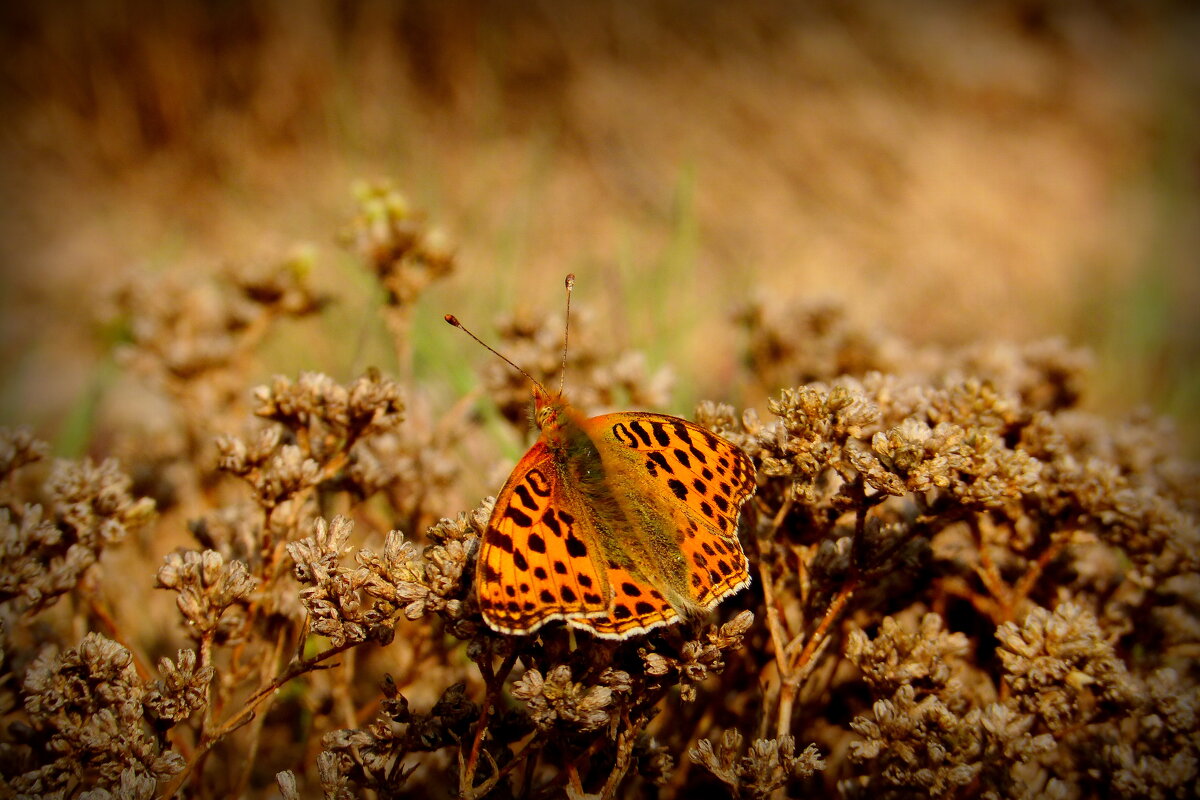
945, 172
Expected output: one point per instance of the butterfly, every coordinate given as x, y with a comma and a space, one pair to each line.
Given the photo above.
615, 524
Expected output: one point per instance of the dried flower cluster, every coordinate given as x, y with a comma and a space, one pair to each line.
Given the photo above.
963, 585
195, 340
89, 721
767, 765
46, 548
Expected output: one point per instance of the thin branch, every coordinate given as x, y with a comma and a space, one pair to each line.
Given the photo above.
247, 711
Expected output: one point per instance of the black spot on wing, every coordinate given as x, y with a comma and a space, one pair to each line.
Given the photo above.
519, 560
682, 433
498, 539
536, 543
682, 458
525, 496
535, 479
661, 461
519, 517
575, 546
567, 593
637, 427
551, 522
660, 434
622, 434
677, 488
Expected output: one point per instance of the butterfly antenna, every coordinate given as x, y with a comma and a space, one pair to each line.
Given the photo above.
562, 376
453, 320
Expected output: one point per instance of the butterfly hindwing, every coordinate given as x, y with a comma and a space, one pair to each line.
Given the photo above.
636, 608
700, 482
537, 561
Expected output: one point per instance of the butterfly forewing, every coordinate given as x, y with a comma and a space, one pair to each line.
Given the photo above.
699, 482
537, 562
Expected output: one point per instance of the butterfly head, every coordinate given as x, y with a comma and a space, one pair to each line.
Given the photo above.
547, 408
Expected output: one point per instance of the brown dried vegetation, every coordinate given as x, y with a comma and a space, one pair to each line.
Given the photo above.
963, 585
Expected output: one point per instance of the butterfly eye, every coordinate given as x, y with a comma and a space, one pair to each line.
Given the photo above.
543, 415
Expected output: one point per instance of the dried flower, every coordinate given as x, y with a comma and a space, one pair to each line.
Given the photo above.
86, 707
767, 766
426, 582
207, 584
373, 757
42, 558
923, 746
556, 700
19, 447
1055, 659
699, 658
389, 235
896, 658
182, 690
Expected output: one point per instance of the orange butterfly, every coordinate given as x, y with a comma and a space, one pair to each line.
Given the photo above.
617, 524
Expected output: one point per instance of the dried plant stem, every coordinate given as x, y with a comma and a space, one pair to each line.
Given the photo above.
342, 681
798, 669
625, 740
494, 682
796, 662
1005, 600
705, 723
774, 622
989, 574
398, 319
256, 723
1029, 579
248, 711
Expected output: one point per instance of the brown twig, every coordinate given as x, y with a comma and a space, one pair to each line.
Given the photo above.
494, 683
247, 711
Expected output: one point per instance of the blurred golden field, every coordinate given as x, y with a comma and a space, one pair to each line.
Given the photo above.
987, 171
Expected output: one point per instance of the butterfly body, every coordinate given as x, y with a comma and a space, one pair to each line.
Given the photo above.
617, 524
